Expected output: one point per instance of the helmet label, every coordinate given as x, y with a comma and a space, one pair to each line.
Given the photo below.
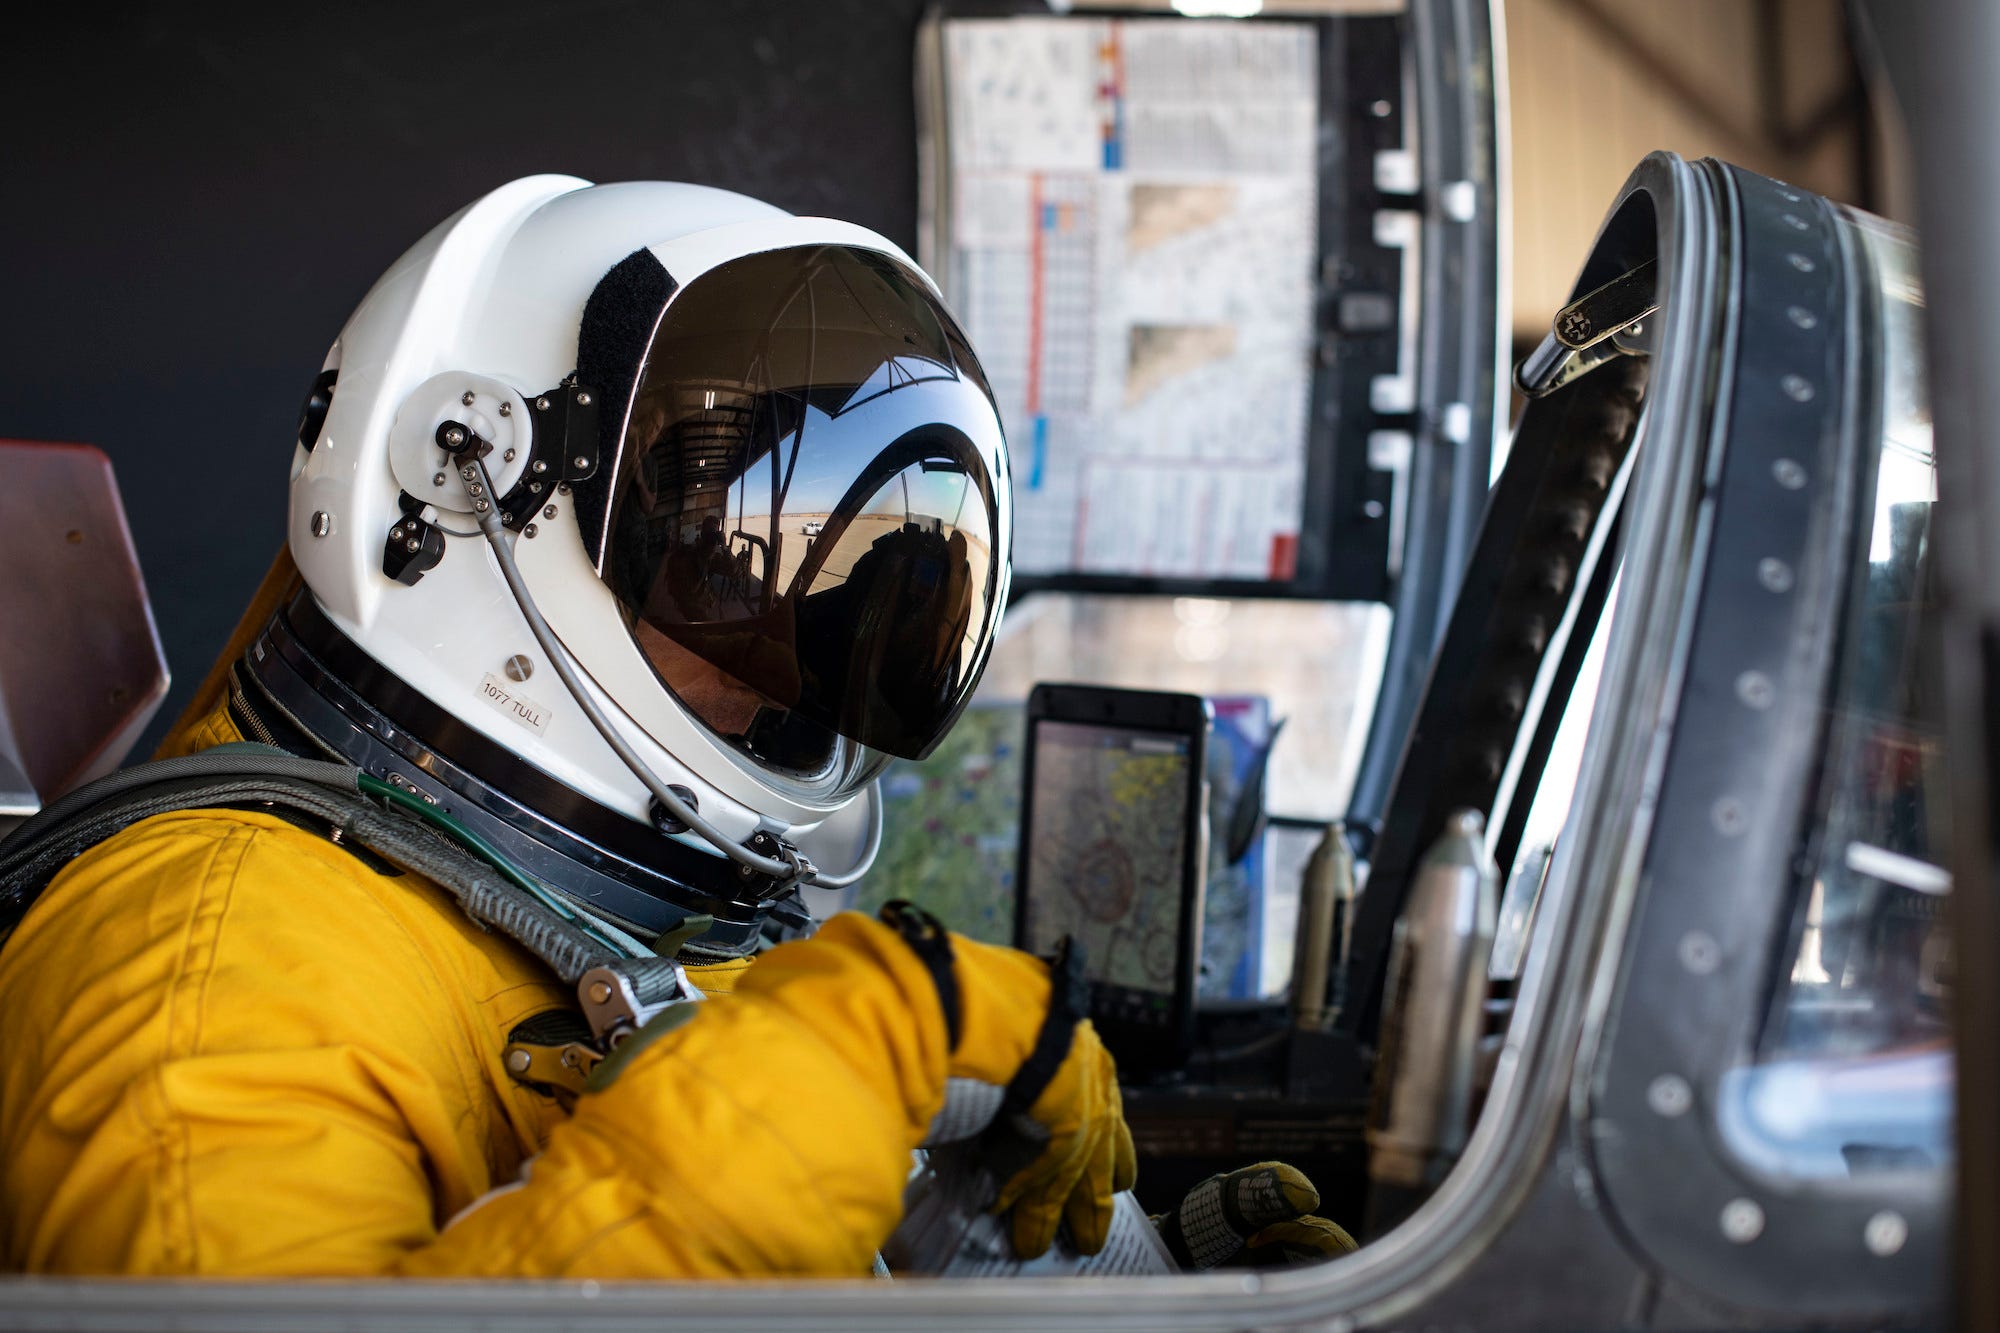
503, 696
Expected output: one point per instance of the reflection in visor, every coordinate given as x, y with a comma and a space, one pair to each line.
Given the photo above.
805, 533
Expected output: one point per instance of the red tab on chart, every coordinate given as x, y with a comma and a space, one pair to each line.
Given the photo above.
1284, 555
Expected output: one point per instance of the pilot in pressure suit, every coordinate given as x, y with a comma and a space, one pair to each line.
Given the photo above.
635, 528
240, 1043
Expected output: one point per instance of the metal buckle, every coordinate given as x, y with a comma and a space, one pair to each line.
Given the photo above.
612, 1007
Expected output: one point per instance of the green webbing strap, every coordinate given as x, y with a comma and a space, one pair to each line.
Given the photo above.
488, 887
393, 823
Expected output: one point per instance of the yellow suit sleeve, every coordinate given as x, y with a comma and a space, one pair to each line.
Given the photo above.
235, 1049
770, 1134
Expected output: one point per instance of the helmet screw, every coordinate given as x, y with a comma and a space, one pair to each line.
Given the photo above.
454, 435
582, 399
541, 404
411, 544
438, 480
562, 488
518, 1062
528, 531
549, 512
540, 466
520, 666
481, 506
534, 488
579, 462
506, 409
466, 398
322, 523
600, 992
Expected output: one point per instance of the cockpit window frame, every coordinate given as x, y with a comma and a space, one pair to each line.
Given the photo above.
1796, 408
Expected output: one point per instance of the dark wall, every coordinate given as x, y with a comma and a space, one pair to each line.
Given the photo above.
192, 198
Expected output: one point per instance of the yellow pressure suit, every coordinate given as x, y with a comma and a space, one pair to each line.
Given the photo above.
232, 1047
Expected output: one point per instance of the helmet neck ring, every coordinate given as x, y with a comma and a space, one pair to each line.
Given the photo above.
322, 683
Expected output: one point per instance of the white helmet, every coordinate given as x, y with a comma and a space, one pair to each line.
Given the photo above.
745, 467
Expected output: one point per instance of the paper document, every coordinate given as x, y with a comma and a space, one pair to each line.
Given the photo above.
1128, 227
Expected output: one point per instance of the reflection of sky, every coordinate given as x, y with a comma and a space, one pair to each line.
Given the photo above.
1905, 475
835, 450
912, 493
1550, 810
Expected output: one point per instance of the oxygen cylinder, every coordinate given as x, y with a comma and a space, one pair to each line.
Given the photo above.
1326, 910
1432, 1018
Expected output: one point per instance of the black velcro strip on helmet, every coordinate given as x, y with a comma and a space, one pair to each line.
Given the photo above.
931, 943
618, 323
1069, 1003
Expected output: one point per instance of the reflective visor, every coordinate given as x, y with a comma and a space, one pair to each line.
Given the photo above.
806, 525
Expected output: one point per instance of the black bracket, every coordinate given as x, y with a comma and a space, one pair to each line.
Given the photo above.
461, 441
413, 547
564, 449
663, 819
762, 885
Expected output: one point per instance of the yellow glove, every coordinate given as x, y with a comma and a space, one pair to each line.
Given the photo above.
1254, 1217
1030, 1079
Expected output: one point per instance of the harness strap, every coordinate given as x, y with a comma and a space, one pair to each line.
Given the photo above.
597, 959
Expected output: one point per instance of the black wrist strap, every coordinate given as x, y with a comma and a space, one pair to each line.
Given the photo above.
931, 943
1069, 1004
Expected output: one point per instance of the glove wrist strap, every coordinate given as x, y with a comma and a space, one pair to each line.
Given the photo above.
931, 943
1069, 1004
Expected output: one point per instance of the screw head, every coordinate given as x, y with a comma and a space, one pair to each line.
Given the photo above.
481, 506
1797, 388
583, 400
1755, 689
438, 480
1742, 1220
541, 466
1774, 574
520, 666
549, 512
454, 435
1729, 816
1788, 473
466, 398
1885, 1233
1699, 953
518, 1062
322, 523
1669, 1095
507, 457
541, 404
528, 531
412, 545
579, 462
506, 409
600, 992
1802, 317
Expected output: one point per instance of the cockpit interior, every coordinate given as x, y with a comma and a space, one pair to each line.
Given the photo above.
1492, 764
